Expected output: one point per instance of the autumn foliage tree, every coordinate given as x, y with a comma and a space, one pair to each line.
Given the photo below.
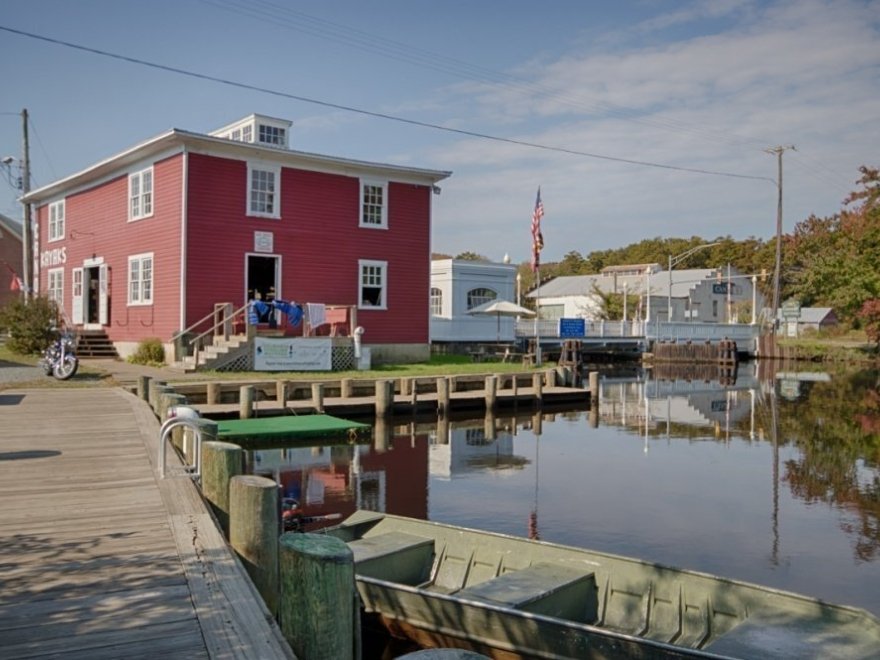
869, 315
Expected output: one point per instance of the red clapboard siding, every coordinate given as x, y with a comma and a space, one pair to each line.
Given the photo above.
319, 240
97, 226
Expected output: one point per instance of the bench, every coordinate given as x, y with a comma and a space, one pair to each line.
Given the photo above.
548, 589
394, 556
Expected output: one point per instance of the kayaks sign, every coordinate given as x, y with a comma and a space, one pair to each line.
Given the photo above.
55, 257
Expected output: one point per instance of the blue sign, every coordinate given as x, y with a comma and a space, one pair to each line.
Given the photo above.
720, 288
572, 328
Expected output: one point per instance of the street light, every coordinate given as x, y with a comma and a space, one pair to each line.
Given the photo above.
678, 259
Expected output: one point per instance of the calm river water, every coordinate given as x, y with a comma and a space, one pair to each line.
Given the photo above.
770, 478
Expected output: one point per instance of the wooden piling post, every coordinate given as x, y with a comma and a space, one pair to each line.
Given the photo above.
442, 430
384, 397
442, 395
246, 402
254, 524
489, 428
281, 392
317, 596
153, 392
212, 393
491, 392
345, 388
538, 387
594, 386
221, 461
318, 397
381, 435
143, 387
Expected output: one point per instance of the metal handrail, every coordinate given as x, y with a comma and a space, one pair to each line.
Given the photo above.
194, 470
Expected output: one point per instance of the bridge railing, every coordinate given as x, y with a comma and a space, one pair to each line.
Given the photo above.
548, 330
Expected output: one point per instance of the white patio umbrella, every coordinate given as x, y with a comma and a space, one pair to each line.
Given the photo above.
499, 308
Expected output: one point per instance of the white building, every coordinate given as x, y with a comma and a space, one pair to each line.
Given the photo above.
712, 295
458, 286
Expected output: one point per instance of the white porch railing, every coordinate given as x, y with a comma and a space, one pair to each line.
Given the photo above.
639, 330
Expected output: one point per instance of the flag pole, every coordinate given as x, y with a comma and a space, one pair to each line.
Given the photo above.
537, 246
537, 316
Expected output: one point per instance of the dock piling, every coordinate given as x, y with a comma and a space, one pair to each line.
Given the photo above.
281, 392
221, 461
442, 395
212, 393
318, 397
253, 532
384, 397
318, 596
246, 402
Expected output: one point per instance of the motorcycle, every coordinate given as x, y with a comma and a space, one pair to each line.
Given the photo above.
59, 359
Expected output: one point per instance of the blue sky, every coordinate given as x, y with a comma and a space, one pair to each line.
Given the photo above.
705, 85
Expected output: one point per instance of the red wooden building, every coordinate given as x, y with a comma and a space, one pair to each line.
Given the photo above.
10, 260
144, 243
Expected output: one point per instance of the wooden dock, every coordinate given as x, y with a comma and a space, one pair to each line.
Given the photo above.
99, 558
356, 398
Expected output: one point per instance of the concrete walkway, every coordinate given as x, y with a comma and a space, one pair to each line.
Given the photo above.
99, 558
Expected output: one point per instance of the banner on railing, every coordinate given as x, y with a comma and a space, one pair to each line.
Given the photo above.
293, 354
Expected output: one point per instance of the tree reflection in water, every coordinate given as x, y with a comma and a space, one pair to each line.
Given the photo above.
836, 427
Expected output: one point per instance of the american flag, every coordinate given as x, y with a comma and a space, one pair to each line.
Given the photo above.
537, 237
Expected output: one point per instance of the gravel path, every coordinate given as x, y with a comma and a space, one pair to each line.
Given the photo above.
17, 372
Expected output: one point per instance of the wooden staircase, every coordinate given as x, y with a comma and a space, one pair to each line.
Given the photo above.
95, 344
231, 354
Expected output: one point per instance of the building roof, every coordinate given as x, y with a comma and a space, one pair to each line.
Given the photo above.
583, 285
175, 139
11, 226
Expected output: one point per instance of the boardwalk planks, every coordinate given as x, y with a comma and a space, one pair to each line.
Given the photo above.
99, 558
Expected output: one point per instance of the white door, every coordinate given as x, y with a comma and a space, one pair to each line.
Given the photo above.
103, 299
78, 316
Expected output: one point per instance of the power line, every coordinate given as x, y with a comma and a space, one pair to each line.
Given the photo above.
395, 50
371, 113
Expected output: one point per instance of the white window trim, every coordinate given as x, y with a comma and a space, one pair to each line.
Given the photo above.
436, 310
378, 184
56, 228
276, 207
140, 258
383, 305
139, 175
51, 291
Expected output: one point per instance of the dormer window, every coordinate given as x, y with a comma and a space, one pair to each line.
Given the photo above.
274, 135
257, 129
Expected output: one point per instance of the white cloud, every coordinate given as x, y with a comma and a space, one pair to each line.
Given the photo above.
790, 72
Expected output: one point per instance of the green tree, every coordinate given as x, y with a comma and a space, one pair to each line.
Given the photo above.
472, 256
31, 325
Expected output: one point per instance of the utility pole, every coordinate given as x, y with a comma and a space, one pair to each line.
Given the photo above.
27, 241
778, 150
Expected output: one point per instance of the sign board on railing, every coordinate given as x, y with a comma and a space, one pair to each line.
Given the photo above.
572, 328
791, 309
293, 354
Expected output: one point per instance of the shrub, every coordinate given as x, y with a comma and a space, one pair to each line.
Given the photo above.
31, 325
149, 351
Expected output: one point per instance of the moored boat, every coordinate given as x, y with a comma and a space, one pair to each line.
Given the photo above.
505, 596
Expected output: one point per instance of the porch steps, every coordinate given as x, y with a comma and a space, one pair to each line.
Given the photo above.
213, 356
95, 344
